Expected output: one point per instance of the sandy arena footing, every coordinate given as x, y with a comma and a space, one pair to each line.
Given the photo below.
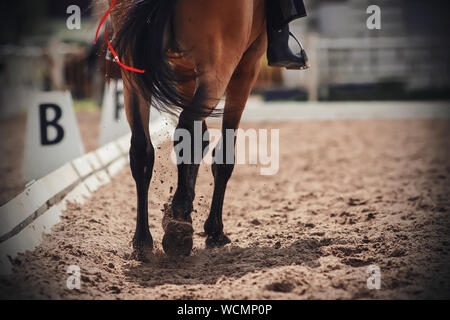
349, 194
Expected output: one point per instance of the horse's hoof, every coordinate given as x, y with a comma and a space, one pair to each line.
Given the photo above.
177, 240
217, 242
142, 249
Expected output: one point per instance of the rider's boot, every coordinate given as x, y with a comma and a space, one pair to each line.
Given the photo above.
280, 55
279, 14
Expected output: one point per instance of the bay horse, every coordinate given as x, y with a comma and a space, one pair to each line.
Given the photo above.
193, 52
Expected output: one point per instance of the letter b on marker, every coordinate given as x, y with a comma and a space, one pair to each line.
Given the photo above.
46, 123
52, 135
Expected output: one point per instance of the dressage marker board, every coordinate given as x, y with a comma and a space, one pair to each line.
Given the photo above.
52, 137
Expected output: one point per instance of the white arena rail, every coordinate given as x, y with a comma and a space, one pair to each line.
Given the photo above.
24, 219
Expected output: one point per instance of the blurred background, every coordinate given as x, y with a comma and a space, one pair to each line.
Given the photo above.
407, 59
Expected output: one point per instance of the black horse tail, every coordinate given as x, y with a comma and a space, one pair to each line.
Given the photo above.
140, 42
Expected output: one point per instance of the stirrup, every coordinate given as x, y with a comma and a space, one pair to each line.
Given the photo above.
302, 51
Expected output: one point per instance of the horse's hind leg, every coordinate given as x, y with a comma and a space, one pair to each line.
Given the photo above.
177, 223
238, 92
142, 157
178, 229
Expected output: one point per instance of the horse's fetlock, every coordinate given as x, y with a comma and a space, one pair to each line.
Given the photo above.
212, 227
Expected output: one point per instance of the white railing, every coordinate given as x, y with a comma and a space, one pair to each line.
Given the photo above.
419, 63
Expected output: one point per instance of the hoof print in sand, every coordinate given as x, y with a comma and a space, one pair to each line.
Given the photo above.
284, 287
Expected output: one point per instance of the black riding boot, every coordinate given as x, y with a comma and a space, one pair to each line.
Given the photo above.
279, 14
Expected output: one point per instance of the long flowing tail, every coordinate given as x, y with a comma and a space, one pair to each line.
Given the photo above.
140, 43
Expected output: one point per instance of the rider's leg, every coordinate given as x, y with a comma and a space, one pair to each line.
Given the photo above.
279, 14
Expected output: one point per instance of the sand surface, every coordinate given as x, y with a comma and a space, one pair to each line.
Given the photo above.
349, 194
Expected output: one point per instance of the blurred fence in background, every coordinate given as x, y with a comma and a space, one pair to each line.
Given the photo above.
403, 67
